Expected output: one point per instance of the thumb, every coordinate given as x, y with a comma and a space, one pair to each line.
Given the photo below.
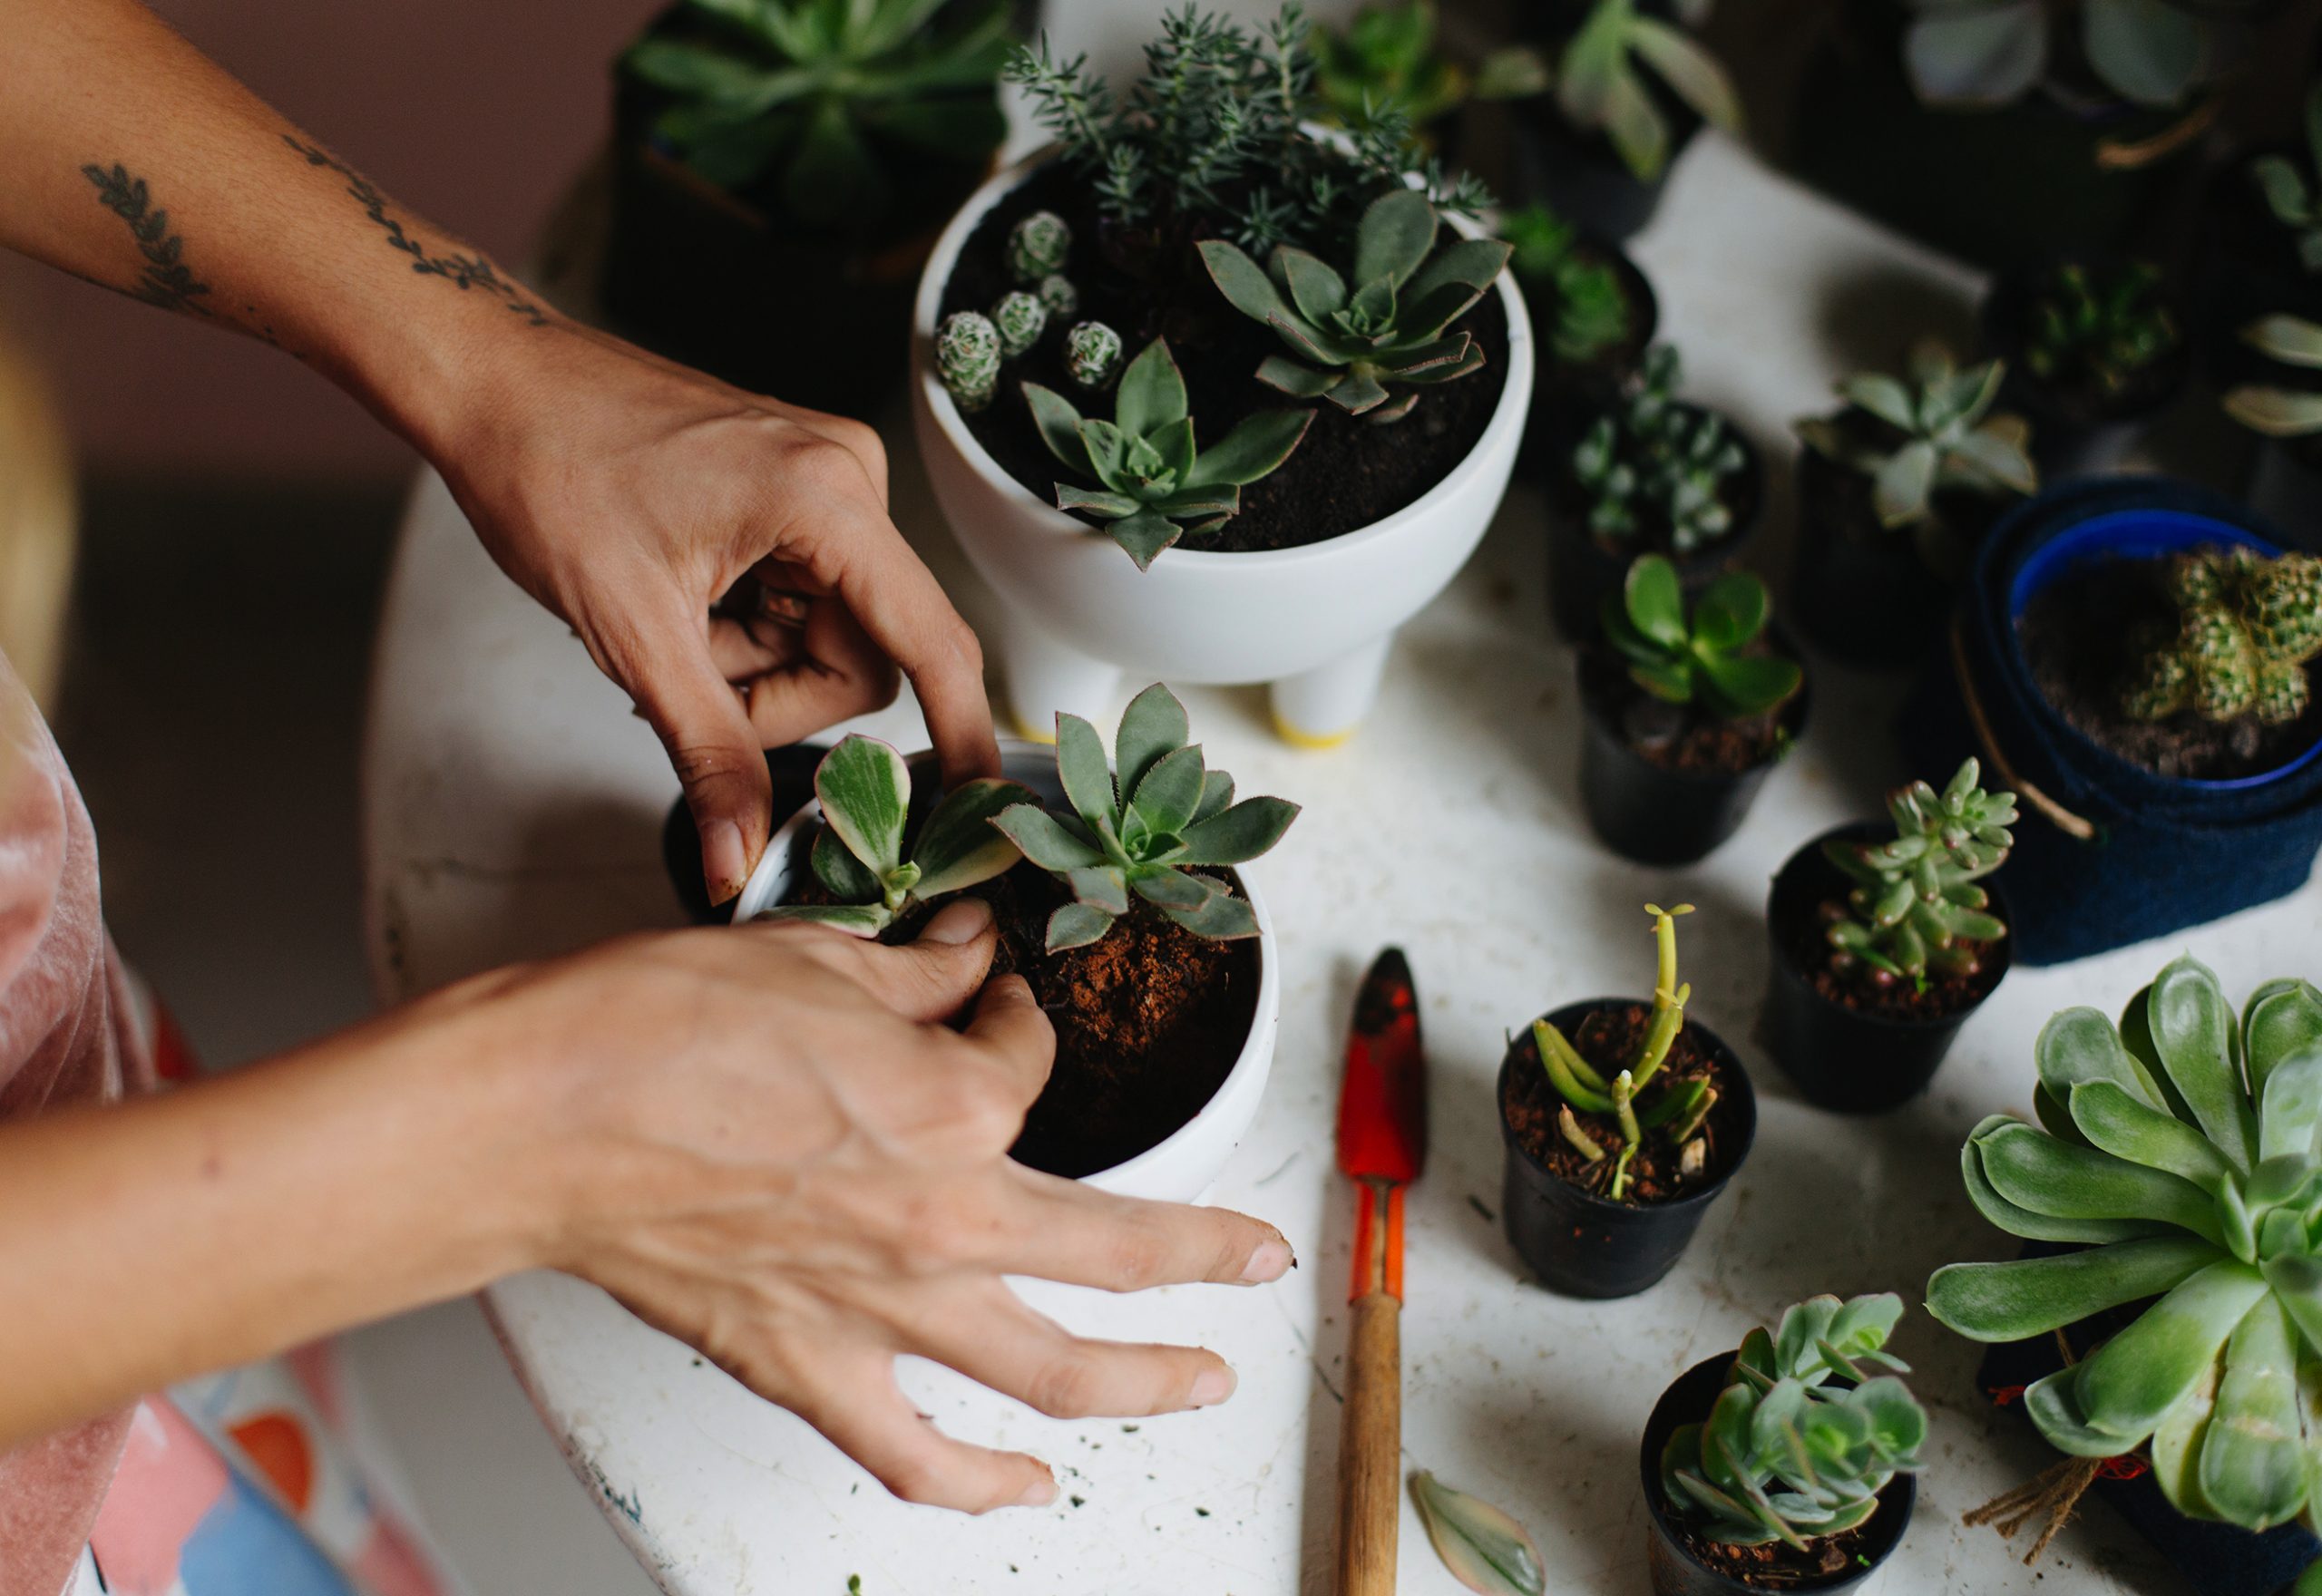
714, 749
932, 979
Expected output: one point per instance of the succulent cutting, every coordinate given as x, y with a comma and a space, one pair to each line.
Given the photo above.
1787, 1455
1378, 332
1147, 826
1152, 478
1675, 1112
1703, 658
2181, 1167
1602, 79
2102, 327
2246, 626
1914, 904
1655, 462
860, 858
1943, 435
1588, 310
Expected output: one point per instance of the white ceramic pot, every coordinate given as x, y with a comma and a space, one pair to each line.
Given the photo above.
1181, 1168
1079, 619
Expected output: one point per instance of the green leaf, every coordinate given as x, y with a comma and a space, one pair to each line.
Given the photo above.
1174, 445
1217, 794
960, 846
1393, 237
1043, 839
1146, 534
2253, 1465
865, 792
1243, 282
1690, 71
2275, 412
2028, 1297
832, 174
1883, 397
1471, 264
2055, 1410
2192, 1027
1252, 449
2147, 50
2079, 1045
1174, 889
1751, 684
2278, 1024
1099, 502
1170, 792
2044, 1175
946, 126
1732, 610
856, 920
1357, 392
1076, 925
1087, 779
1300, 382
2292, 1116
1315, 288
1152, 725
2117, 1122
1655, 601
1223, 918
2290, 340
1059, 425
845, 877
1900, 491
1485, 1549
1241, 832
2129, 1385
1976, 56
1152, 392
1100, 887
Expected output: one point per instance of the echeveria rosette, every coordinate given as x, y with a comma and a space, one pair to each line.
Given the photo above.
1784, 1456
1155, 479
1142, 833
1391, 327
2182, 1157
1914, 898
859, 857
1702, 658
1950, 438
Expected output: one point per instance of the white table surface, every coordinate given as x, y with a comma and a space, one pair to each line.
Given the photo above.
513, 805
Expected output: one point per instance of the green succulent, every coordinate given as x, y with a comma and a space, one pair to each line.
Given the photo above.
1143, 834
2182, 1161
1020, 318
2294, 194
2109, 327
1783, 1455
1970, 55
1915, 900
1588, 310
1654, 459
2278, 411
859, 855
1601, 80
828, 95
1676, 1112
2246, 626
1092, 355
1703, 658
1152, 478
968, 350
1057, 296
1391, 326
1387, 55
1949, 437
1037, 244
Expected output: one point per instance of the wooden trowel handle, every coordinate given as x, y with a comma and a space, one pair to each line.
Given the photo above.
1370, 1448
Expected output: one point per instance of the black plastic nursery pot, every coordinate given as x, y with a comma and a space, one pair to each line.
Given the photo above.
1863, 592
1650, 812
1583, 1245
2076, 434
1847, 1059
1676, 1569
2108, 853
791, 771
1582, 571
1566, 395
1577, 173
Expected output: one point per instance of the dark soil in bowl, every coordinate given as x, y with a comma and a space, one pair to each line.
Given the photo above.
2077, 634
1608, 1039
1347, 474
1682, 738
1800, 918
1149, 1019
1775, 1566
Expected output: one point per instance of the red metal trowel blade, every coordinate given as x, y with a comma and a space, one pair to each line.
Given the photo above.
1382, 1106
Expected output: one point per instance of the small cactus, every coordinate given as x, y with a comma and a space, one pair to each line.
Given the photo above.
1021, 318
1036, 246
1057, 292
967, 357
1092, 354
2247, 626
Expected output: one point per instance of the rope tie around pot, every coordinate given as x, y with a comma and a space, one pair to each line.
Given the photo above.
2055, 1492
2076, 826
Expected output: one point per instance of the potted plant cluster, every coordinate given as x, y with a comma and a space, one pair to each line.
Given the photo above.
2162, 1327
1685, 712
1893, 490
2093, 352
1788, 1464
792, 142
1884, 945
1622, 1123
1114, 887
1289, 271
1649, 473
1595, 315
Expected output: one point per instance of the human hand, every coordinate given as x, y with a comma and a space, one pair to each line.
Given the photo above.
765, 1142
633, 498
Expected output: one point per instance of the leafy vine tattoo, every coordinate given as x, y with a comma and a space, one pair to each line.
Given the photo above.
166, 281
465, 271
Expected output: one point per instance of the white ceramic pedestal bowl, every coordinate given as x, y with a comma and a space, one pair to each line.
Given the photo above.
1180, 1168
1079, 618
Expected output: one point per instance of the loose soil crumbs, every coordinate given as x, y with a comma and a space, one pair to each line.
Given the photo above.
1608, 1039
1681, 738
1775, 1566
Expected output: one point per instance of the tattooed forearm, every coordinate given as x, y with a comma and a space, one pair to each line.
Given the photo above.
166, 281
465, 271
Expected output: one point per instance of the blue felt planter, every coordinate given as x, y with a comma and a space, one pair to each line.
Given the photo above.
2166, 854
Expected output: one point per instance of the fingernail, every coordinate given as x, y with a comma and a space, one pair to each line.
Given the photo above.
1271, 1262
963, 921
1213, 1386
724, 862
1038, 1493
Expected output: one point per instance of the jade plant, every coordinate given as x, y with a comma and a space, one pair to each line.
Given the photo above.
1784, 1453
1378, 332
1675, 1112
1387, 55
860, 858
828, 99
2294, 192
1602, 79
2278, 411
1704, 657
1146, 827
1914, 904
1943, 436
2246, 627
1589, 311
1654, 461
1152, 478
2181, 1166
2105, 328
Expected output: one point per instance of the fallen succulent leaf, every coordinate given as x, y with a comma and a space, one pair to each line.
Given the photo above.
1485, 1549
